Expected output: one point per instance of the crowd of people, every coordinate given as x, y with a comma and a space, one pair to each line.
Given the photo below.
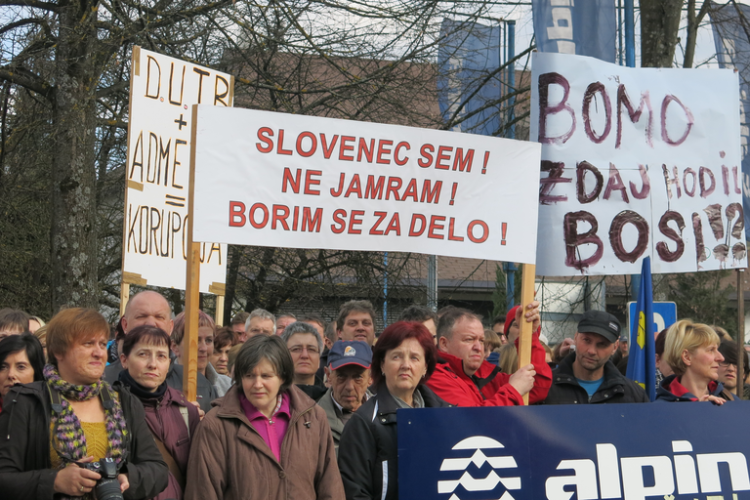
292, 407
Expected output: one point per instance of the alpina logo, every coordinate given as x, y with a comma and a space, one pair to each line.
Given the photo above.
479, 458
684, 473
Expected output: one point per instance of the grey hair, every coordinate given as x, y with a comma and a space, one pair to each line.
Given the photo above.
262, 314
270, 348
448, 321
301, 327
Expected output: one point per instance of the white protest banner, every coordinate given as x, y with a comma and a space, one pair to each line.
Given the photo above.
162, 91
274, 179
636, 163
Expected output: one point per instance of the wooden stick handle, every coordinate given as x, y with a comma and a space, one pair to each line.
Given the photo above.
219, 310
524, 340
189, 356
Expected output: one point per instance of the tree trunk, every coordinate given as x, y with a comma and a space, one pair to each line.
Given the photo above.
233, 267
73, 235
660, 23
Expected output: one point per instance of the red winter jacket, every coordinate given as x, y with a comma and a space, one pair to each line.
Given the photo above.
488, 386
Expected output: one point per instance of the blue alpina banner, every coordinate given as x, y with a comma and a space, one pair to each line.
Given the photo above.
469, 86
586, 29
673, 451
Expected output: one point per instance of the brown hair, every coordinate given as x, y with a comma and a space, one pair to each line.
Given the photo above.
148, 334
178, 331
240, 318
73, 326
224, 336
13, 319
354, 306
270, 348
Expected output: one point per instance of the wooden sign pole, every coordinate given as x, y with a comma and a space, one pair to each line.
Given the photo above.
219, 310
192, 286
528, 279
124, 296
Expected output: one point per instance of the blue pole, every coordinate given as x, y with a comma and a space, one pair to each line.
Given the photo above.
385, 289
630, 33
619, 30
635, 286
511, 76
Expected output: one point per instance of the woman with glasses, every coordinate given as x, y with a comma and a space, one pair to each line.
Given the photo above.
305, 345
728, 369
692, 351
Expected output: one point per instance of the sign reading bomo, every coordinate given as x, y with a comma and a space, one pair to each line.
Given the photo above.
307, 182
643, 451
636, 163
155, 233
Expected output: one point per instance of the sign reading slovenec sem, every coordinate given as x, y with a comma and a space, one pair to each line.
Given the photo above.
636, 163
163, 89
274, 179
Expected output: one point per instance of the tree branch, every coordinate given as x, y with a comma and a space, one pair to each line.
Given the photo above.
48, 6
26, 79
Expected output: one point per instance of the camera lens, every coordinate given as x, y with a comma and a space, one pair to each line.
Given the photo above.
108, 489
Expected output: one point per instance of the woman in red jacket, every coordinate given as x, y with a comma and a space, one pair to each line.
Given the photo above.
171, 419
692, 351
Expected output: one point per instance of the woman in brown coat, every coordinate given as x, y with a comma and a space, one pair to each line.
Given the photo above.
265, 439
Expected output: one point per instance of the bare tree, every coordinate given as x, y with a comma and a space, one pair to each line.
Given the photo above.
65, 67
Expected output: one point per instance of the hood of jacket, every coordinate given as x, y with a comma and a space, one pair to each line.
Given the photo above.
671, 390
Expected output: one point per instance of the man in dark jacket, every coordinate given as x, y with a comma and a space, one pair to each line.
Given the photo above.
587, 375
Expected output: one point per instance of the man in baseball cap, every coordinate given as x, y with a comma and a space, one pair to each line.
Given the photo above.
587, 375
348, 373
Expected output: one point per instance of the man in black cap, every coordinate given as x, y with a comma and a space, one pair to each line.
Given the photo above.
348, 373
587, 375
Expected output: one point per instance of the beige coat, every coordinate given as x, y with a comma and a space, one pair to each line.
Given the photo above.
229, 460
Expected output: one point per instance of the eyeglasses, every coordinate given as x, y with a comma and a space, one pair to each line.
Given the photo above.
297, 349
724, 364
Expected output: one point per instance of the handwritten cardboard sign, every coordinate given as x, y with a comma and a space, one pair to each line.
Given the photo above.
275, 179
636, 163
163, 89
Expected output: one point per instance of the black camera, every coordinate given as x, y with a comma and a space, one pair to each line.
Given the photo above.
107, 487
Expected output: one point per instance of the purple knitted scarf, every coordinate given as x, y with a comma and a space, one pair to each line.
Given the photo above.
69, 439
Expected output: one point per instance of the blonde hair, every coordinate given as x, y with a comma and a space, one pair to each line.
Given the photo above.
508, 358
723, 334
686, 335
41, 334
491, 340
